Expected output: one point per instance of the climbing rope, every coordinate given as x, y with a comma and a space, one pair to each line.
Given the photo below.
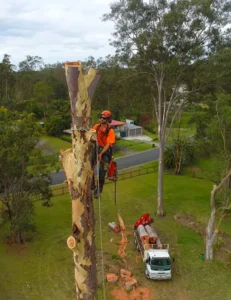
100, 221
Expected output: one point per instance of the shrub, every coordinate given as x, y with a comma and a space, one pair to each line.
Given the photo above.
55, 125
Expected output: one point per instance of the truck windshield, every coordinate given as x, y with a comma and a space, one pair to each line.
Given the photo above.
160, 262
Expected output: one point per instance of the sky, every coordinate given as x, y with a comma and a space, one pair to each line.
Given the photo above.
56, 30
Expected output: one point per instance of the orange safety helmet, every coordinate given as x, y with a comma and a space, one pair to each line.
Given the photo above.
107, 114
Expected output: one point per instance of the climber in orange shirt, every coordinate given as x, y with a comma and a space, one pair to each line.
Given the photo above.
105, 141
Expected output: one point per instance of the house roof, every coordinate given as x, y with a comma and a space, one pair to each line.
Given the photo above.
117, 123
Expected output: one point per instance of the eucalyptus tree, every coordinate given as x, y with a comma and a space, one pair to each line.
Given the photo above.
218, 140
24, 171
27, 71
164, 40
7, 79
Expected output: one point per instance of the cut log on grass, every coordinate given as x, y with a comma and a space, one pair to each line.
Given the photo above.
130, 283
77, 168
124, 240
112, 278
114, 226
125, 273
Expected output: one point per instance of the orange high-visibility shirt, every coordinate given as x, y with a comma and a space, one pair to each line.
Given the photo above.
102, 136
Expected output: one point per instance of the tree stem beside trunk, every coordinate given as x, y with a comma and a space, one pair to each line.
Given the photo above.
160, 206
211, 233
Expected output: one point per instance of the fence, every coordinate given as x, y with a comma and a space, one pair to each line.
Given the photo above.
121, 176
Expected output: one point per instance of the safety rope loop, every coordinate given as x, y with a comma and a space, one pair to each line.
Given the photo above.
81, 123
81, 129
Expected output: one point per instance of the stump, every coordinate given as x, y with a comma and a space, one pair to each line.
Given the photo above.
112, 278
130, 283
125, 273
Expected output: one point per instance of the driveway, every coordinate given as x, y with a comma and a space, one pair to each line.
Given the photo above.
122, 163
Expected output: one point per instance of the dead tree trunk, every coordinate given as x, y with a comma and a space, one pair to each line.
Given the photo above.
211, 233
77, 167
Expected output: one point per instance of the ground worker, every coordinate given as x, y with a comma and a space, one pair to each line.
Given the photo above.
105, 141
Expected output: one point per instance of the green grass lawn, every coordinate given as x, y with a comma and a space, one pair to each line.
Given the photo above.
56, 144
43, 268
205, 167
133, 145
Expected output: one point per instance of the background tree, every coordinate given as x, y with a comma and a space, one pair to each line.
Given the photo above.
27, 76
55, 125
54, 75
7, 79
43, 94
24, 172
218, 140
164, 39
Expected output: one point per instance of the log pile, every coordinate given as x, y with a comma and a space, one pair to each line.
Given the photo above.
148, 236
152, 234
144, 236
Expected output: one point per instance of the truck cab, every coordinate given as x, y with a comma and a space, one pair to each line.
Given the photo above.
157, 264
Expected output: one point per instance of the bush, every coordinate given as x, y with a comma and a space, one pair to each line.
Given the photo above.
150, 128
55, 125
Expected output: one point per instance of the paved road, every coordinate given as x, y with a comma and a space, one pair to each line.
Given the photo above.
122, 163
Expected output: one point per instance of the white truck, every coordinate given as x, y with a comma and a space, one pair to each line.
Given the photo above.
154, 254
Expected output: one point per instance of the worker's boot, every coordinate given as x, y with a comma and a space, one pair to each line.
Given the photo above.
96, 194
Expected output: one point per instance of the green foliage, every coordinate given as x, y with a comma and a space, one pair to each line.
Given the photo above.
35, 108
43, 94
179, 152
214, 130
7, 79
55, 125
23, 170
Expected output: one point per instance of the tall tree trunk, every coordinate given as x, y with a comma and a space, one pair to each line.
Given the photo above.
18, 236
160, 206
76, 164
9, 211
211, 234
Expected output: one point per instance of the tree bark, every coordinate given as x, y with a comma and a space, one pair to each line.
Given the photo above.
18, 237
76, 164
160, 205
211, 234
